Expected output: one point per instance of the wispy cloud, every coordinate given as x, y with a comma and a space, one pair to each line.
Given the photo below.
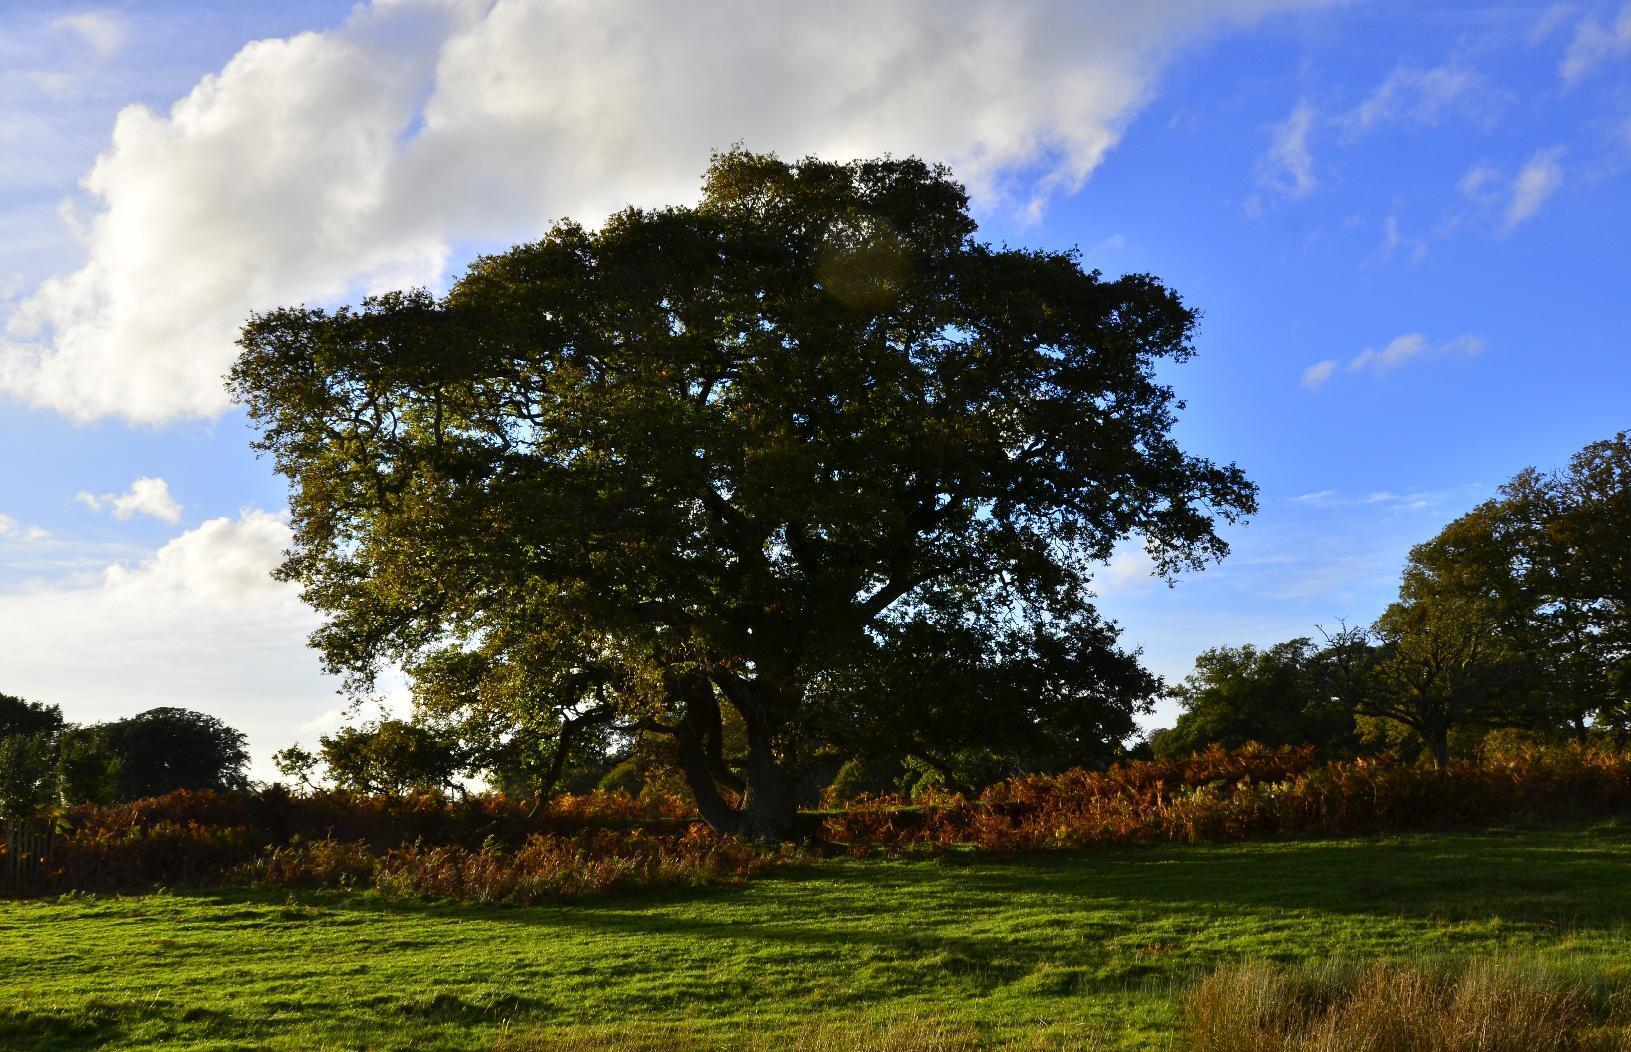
12, 530
1424, 96
1596, 42
1287, 167
1396, 353
1540, 177
1319, 374
1554, 18
146, 496
1112, 244
1396, 243
1130, 568
1511, 202
1386, 500
1410, 346
105, 31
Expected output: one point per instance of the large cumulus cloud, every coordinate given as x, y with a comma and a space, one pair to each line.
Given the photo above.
365, 156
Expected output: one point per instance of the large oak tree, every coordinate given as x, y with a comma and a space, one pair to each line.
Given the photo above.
694, 461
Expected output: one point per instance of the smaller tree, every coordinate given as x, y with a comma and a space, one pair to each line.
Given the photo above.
1579, 521
1541, 570
28, 775
18, 716
89, 773
974, 701
164, 749
1274, 696
391, 758
297, 763
1431, 663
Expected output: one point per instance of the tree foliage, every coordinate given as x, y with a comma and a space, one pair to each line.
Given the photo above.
706, 456
163, 749
391, 758
28, 775
1515, 615
18, 716
1276, 696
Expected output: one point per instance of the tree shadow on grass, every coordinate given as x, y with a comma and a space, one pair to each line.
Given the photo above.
1556, 879
57, 1032
1053, 924
894, 913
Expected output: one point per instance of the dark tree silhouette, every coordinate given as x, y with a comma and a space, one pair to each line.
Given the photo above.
699, 458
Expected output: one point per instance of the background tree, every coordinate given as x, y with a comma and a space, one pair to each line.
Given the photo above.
28, 775
1538, 575
1275, 696
164, 749
1070, 697
89, 772
533, 726
29, 737
723, 449
1445, 656
1581, 520
18, 716
392, 758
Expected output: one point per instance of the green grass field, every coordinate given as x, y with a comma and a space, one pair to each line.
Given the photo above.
1049, 951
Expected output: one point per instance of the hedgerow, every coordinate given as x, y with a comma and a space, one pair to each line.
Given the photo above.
1251, 792
495, 849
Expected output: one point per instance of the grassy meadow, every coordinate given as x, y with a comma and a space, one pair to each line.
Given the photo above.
1041, 951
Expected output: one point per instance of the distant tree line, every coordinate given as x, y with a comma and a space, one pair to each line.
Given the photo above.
46, 761
1516, 617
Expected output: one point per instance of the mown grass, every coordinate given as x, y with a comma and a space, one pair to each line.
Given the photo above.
1037, 951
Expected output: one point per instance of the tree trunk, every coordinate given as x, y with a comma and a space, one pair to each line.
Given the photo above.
1438, 741
769, 808
697, 735
711, 804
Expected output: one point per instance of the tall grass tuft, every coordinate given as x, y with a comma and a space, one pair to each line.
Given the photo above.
1499, 1005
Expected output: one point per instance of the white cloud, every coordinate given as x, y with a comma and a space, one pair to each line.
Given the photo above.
1480, 183
199, 623
12, 530
1518, 199
1129, 569
223, 560
328, 163
1410, 346
1399, 350
1319, 374
104, 31
1112, 244
1595, 43
1423, 96
1396, 353
1288, 166
1417, 500
1393, 241
1539, 179
146, 496
1550, 21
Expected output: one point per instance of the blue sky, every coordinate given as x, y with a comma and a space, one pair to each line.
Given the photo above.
1405, 224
